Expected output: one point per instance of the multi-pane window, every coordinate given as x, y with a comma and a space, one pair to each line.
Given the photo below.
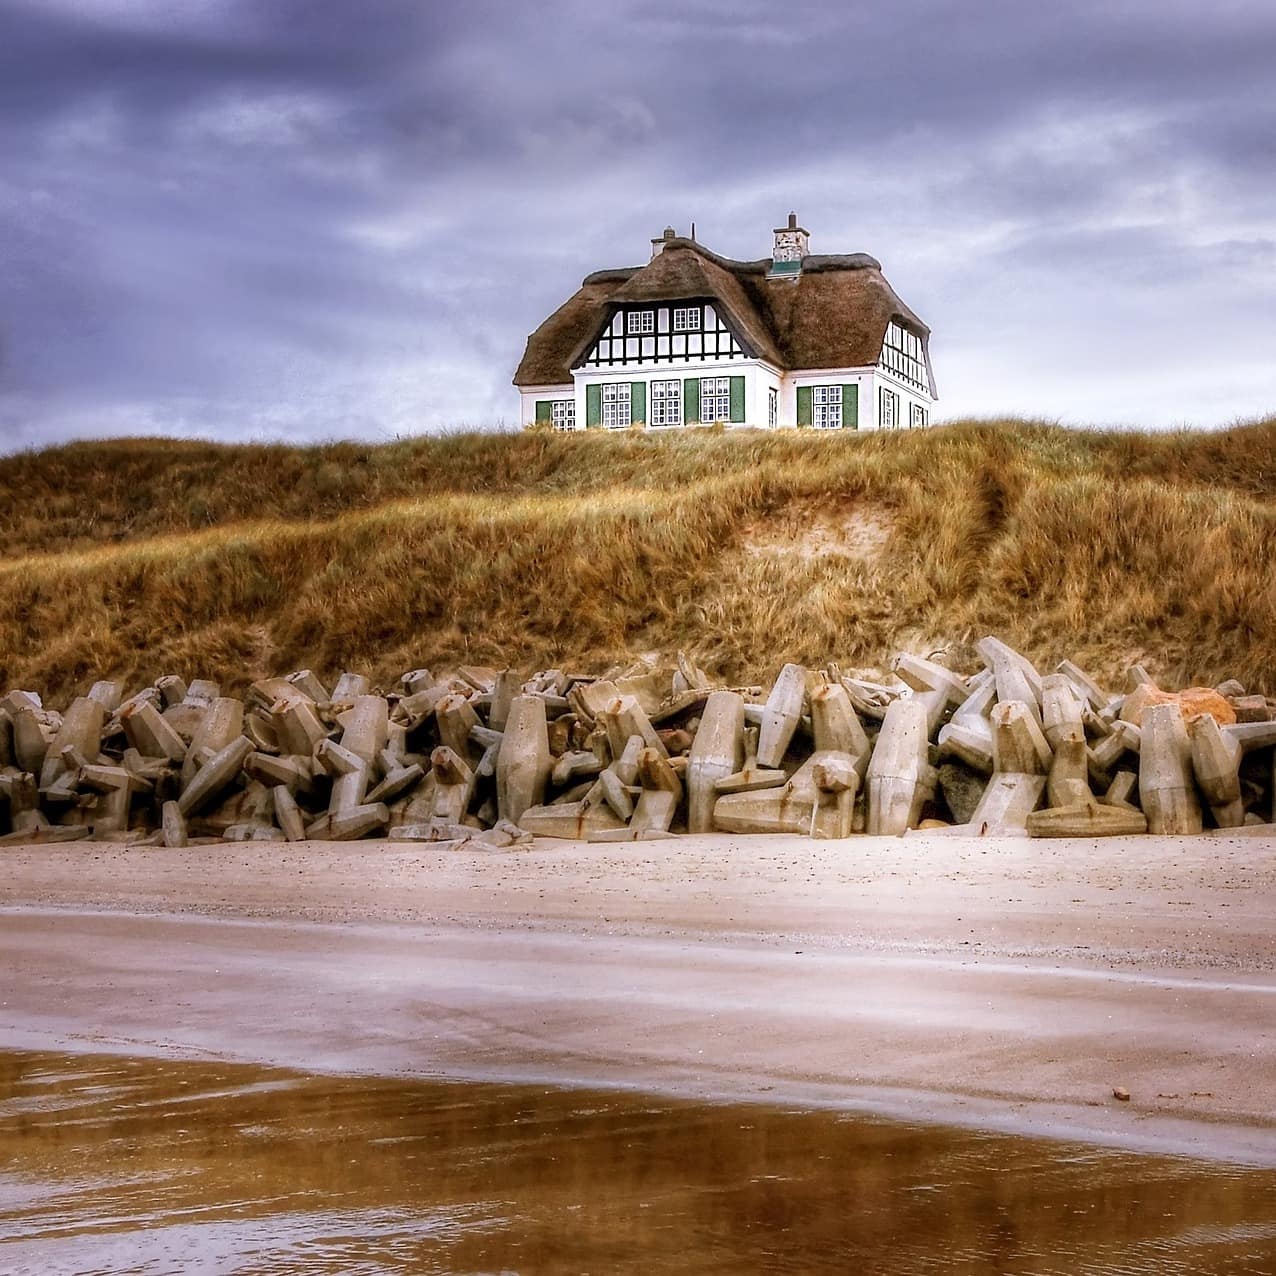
826, 407
616, 405
665, 334
917, 416
772, 406
887, 409
666, 403
902, 354
715, 399
563, 414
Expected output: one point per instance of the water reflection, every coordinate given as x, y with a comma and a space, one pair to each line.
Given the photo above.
114, 1165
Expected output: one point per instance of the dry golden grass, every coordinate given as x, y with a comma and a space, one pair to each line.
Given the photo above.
137, 558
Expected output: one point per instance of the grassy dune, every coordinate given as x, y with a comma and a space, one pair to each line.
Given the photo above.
137, 558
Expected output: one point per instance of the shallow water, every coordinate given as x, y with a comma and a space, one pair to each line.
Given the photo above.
138, 1165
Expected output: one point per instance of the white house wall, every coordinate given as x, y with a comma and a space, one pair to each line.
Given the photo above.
758, 379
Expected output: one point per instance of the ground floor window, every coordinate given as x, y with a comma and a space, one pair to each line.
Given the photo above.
772, 406
887, 409
826, 407
666, 403
917, 417
563, 414
715, 399
616, 405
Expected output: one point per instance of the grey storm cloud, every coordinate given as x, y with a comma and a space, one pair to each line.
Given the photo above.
307, 220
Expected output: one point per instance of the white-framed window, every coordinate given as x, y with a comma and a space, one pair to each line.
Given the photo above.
666, 403
686, 318
715, 399
917, 416
826, 407
772, 406
641, 321
616, 405
563, 414
887, 409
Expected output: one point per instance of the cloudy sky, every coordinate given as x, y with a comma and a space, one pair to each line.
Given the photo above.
308, 219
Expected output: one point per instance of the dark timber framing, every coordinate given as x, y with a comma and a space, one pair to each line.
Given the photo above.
713, 339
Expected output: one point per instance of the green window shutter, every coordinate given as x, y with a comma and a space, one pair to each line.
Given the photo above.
691, 400
737, 398
804, 404
593, 405
850, 407
543, 411
638, 402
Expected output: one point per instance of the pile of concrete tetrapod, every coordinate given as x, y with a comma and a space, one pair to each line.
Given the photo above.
487, 758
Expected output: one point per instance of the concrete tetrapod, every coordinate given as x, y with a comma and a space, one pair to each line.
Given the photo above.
576, 820
149, 734
214, 775
1167, 788
366, 730
623, 718
969, 740
288, 815
223, 723
297, 725
81, 730
1216, 760
800, 806
661, 794
456, 718
835, 726
925, 675
1074, 811
1015, 677
523, 763
1008, 801
781, 715
716, 752
1018, 744
900, 778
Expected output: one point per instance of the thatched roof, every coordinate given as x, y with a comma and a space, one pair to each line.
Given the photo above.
833, 315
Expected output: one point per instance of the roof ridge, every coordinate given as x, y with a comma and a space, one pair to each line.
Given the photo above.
758, 266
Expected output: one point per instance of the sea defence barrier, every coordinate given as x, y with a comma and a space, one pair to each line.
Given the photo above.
489, 757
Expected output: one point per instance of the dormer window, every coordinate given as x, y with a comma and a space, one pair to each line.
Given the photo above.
686, 319
641, 321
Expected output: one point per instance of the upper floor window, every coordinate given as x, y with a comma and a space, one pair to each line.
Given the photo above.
563, 414
616, 405
826, 407
658, 336
903, 355
666, 403
715, 399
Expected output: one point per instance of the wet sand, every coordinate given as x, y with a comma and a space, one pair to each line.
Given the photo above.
146, 1166
1003, 984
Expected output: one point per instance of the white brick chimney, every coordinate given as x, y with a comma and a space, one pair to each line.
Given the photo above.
658, 245
792, 243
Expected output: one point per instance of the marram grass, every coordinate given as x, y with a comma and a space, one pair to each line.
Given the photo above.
135, 558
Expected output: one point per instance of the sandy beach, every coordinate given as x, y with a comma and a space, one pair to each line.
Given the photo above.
1005, 984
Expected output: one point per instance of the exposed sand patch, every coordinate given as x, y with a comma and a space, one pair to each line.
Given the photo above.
808, 530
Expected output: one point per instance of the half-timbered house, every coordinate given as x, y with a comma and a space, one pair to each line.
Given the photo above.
691, 337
